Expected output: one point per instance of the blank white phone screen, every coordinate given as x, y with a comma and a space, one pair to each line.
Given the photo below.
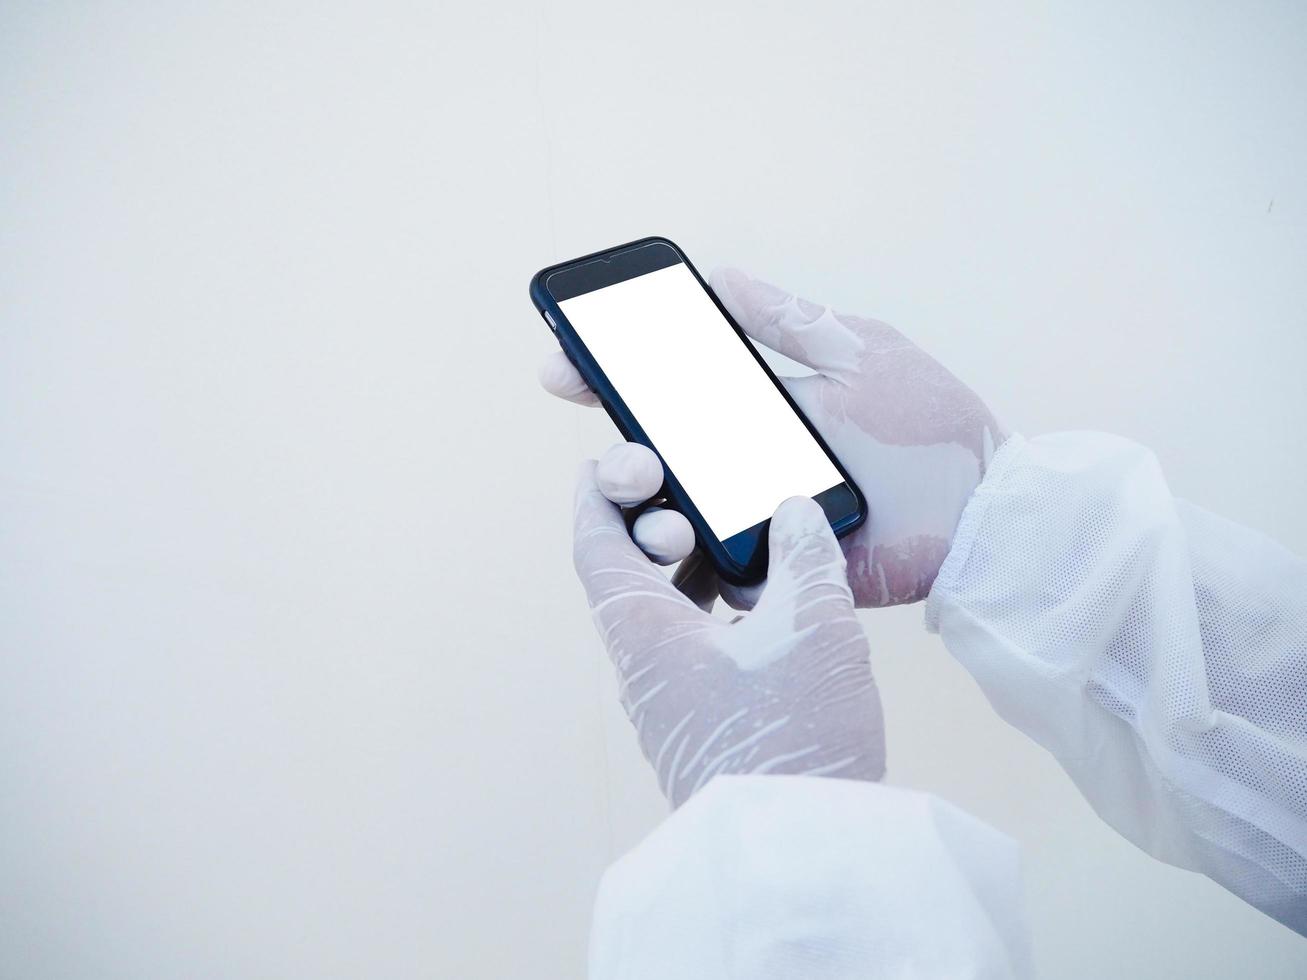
719, 423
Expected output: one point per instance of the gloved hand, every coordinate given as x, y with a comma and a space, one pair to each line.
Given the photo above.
913, 437
786, 688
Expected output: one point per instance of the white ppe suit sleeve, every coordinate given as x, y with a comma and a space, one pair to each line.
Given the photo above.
769, 876
1159, 652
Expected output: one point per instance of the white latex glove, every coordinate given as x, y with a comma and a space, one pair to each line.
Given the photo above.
786, 688
914, 438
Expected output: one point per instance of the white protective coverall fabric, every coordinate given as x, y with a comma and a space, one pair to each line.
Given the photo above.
765, 877
1159, 652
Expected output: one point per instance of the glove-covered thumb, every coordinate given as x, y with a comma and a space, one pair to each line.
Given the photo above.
805, 563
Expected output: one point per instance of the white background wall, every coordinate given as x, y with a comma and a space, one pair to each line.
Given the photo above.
294, 676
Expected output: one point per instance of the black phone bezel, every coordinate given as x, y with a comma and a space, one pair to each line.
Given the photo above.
742, 558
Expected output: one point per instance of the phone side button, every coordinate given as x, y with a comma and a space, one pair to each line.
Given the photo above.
549, 320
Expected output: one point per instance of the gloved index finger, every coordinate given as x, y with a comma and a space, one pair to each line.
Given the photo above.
629, 473
559, 377
625, 589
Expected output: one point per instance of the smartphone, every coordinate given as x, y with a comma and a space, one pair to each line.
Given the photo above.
677, 374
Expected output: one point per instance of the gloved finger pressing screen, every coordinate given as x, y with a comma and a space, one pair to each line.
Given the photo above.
786, 688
